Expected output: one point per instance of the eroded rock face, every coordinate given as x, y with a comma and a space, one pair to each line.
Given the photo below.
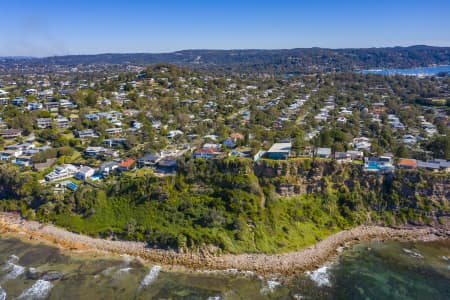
304, 176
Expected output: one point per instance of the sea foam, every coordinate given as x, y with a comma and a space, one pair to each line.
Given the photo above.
39, 290
320, 276
269, 286
2, 294
14, 270
150, 277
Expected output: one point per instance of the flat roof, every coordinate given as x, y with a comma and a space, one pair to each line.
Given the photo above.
280, 147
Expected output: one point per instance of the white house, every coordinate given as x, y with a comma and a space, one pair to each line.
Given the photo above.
62, 172
84, 173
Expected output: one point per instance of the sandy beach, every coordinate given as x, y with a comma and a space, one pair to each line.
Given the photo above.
12, 225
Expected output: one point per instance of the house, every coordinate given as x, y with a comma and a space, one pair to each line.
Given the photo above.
115, 142
11, 133
406, 163
409, 139
65, 103
19, 101
62, 172
88, 133
7, 155
24, 161
126, 165
323, 152
362, 143
84, 173
206, 153
111, 153
4, 100
230, 143
43, 123
92, 117
342, 157
279, 151
148, 160
94, 151
62, 122
168, 163
51, 106
114, 131
430, 166
435, 165
355, 155
35, 106
108, 167
173, 133
382, 164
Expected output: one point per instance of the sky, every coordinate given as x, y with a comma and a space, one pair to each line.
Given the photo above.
46, 27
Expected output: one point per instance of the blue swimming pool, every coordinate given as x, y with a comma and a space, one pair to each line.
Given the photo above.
96, 177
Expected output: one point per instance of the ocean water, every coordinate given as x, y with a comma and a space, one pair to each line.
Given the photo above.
389, 270
422, 72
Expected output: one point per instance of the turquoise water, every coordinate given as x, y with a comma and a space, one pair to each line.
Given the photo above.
389, 270
428, 71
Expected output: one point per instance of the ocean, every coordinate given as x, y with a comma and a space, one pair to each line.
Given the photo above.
421, 72
373, 270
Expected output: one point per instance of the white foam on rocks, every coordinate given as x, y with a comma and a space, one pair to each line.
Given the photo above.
321, 276
270, 286
39, 290
151, 276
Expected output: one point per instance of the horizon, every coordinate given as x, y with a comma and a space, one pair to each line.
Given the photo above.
50, 28
231, 49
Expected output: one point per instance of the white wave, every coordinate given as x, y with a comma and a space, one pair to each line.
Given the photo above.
11, 260
151, 276
2, 294
214, 298
13, 270
270, 286
298, 296
446, 258
320, 276
39, 290
413, 253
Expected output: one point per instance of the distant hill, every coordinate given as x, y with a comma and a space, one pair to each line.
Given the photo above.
300, 60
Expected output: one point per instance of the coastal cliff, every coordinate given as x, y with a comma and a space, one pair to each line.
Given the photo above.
235, 205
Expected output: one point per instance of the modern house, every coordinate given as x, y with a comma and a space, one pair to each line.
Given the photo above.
88, 133
62, 122
43, 123
11, 133
114, 131
108, 167
94, 151
19, 101
148, 160
323, 152
84, 173
35, 106
382, 164
62, 172
279, 151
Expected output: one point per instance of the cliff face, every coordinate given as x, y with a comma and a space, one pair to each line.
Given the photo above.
412, 188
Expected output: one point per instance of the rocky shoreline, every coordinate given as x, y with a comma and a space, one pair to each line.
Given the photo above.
306, 259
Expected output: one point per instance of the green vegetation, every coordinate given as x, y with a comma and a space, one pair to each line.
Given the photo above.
223, 203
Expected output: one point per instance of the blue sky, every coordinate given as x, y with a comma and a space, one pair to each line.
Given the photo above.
43, 28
